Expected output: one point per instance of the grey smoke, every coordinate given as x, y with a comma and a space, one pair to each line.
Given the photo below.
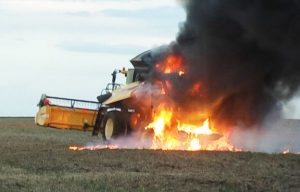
277, 136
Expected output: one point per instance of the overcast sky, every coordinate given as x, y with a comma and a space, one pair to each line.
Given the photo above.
69, 48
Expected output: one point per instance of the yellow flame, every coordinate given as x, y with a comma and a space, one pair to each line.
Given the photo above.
160, 121
193, 129
75, 148
180, 73
195, 145
167, 136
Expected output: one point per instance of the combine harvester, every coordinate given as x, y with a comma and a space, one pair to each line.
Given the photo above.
122, 109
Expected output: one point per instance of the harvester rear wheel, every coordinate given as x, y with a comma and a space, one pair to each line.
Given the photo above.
114, 125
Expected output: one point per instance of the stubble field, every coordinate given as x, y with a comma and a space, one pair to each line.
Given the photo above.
37, 159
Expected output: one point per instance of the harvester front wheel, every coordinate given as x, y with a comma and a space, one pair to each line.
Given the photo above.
113, 125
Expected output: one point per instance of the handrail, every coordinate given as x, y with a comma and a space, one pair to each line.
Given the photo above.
68, 102
69, 99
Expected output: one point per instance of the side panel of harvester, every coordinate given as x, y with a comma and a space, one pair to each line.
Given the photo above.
53, 112
66, 118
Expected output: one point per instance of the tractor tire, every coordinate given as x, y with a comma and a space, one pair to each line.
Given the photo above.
114, 125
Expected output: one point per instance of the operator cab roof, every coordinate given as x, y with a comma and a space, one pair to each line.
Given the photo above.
150, 57
142, 60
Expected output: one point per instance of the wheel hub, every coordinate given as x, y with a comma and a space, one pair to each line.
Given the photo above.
109, 128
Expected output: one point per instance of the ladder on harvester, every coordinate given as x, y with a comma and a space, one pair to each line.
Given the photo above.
105, 94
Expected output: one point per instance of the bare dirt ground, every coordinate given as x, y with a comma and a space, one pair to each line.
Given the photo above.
37, 159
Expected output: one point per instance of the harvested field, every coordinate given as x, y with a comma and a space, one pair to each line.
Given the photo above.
37, 159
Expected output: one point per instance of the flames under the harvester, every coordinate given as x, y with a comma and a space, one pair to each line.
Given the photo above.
171, 64
173, 132
171, 129
170, 133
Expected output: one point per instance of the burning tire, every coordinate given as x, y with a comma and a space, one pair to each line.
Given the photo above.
114, 125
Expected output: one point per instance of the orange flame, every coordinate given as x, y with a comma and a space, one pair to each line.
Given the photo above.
204, 129
93, 147
195, 89
75, 148
181, 73
172, 64
184, 136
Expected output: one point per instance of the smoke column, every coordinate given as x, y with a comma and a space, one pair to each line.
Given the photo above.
244, 53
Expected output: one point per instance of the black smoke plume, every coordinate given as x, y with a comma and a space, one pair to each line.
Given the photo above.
245, 53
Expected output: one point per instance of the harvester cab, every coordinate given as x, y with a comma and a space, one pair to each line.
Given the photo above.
115, 113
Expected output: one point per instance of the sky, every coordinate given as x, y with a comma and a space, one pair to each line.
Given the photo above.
69, 48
